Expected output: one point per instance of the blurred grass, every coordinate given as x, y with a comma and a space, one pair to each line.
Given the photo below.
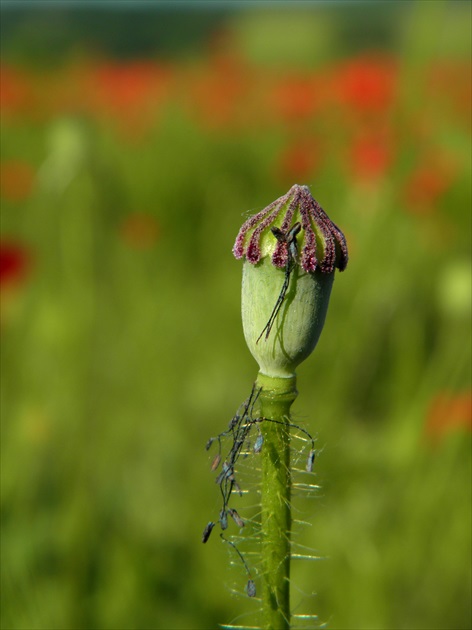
122, 348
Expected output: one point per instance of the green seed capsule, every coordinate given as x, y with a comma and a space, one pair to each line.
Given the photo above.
300, 319
291, 250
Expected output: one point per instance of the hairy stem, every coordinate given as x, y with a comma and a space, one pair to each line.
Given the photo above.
276, 398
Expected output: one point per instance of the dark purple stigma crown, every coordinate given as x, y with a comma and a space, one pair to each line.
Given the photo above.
322, 244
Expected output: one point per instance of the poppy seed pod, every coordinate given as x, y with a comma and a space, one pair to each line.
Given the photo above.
291, 251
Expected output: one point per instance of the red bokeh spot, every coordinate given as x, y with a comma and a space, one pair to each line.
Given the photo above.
366, 84
295, 97
427, 183
16, 93
16, 180
14, 263
448, 413
130, 93
370, 157
220, 95
140, 231
299, 160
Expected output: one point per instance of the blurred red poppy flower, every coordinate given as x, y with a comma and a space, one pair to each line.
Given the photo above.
220, 95
370, 157
294, 98
140, 230
366, 84
14, 263
448, 413
427, 183
16, 180
299, 160
130, 92
16, 91
450, 83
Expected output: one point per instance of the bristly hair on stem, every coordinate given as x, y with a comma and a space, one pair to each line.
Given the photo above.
249, 435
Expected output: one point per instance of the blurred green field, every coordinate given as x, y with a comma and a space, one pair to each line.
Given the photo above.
123, 185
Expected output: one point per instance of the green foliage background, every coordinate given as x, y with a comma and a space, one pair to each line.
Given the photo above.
118, 362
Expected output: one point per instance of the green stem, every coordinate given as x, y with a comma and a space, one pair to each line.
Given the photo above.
276, 398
